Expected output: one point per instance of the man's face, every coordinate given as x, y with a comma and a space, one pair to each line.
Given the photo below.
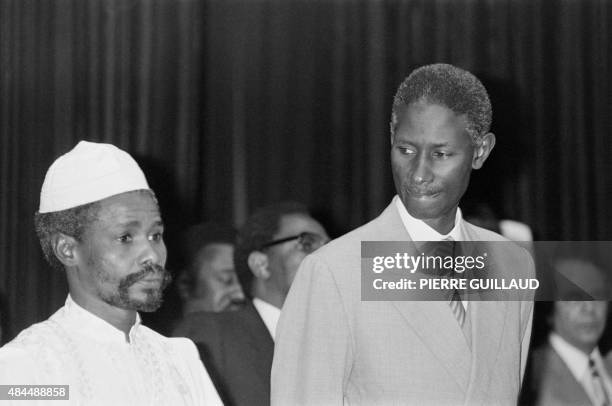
217, 287
431, 157
581, 323
284, 259
122, 254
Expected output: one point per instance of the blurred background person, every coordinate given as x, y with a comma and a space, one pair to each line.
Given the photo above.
568, 369
237, 347
483, 215
208, 280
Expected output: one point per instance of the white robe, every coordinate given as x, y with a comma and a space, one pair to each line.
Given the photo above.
76, 348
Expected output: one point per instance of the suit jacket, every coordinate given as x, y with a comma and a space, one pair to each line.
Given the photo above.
236, 348
333, 348
551, 382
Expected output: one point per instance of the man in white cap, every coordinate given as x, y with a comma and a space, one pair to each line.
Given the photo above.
100, 222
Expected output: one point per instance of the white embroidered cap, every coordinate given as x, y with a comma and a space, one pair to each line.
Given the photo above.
89, 172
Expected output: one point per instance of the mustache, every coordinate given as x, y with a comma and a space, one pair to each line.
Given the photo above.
147, 270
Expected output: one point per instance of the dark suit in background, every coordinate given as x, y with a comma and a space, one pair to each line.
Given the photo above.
237, 350
550, 382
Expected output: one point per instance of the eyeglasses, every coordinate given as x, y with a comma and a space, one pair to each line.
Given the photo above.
308, 242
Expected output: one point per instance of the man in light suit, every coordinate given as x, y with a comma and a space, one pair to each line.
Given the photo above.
569, 368
333, 348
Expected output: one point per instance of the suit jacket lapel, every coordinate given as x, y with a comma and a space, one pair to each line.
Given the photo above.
257, 336
488, 324
438, 329
432, 321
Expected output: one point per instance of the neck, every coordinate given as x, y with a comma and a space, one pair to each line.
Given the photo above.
587, 349
268, 295
442, 225
119, 318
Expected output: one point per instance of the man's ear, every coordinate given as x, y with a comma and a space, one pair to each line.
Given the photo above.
481, 152
64, 248
258, 263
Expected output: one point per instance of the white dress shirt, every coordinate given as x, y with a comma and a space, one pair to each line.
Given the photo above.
418, 230
269, 314
578, 364
421, 231
76, 348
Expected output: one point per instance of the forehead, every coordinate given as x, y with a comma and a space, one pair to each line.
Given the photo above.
423, 121
137, 208
572, 310
296, 223
216, 255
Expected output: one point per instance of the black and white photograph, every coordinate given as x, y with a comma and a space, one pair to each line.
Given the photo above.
306, 202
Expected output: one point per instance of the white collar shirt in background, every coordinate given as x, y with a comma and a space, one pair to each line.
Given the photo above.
269, 314
578, 364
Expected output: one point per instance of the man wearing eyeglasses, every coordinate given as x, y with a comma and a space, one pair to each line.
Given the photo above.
237, 347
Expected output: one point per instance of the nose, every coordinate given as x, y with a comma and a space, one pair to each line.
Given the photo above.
238, 294
153, 252
421, 170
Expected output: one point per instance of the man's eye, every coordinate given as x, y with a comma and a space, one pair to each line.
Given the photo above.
156, 237
125, 238
226, 279
441, 154
406, 150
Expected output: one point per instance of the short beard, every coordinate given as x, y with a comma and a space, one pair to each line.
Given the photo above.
154, 297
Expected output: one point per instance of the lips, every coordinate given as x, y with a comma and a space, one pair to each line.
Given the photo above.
149, 274
419, 193
151, 279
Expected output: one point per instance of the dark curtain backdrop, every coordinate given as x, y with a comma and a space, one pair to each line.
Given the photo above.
230, 104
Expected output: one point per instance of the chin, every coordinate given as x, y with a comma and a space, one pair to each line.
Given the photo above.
147, 301
423, 212
148, 306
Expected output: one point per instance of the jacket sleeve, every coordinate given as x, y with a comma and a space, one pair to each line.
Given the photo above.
313, 350
527, 309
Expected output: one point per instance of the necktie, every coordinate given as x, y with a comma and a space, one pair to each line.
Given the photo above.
455, 298
599, 389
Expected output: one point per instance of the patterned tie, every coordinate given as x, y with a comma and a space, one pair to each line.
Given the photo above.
599, 388
455, 298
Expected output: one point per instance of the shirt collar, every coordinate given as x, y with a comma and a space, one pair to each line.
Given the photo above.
576, 360
268, 313
420, 231
81, 321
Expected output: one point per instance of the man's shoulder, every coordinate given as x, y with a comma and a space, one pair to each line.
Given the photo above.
549, 364
505, 251
36, 338
541, 356
207, 326
38, 351
482, 234
196, 321
179, 345
385, 227
608, 361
